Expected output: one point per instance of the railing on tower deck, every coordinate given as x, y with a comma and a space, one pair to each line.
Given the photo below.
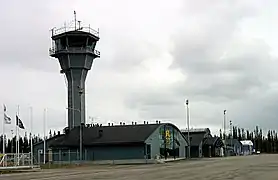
70, 28
74, 50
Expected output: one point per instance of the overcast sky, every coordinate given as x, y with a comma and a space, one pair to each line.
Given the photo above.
220, 54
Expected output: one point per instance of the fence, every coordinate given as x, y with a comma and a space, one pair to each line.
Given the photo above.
59, 157
12, 159
68, 157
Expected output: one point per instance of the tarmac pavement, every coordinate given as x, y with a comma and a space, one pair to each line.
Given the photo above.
255, 167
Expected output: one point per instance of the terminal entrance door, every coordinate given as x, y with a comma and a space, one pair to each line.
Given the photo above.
148, 153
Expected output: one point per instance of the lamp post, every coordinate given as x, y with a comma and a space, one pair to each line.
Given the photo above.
225, 146
187, 117
80, 133
44, 136
231, 134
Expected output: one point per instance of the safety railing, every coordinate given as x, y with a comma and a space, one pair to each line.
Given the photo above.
67, 29
53, 51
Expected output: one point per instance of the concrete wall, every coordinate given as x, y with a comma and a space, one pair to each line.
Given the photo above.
75, 61
183, 146
115, 152
153, 140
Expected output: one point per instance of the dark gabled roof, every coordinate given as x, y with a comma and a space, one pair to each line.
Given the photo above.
197, 130
49, 139
213, 141
107, 135
197, 135
195, 139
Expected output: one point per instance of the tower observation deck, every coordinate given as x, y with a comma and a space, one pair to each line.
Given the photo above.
74, 47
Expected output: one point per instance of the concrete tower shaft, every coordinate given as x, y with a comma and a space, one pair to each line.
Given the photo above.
76, 52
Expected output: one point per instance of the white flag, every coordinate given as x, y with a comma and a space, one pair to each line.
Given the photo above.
7, 119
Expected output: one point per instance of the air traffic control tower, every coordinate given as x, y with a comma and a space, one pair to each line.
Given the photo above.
74, 47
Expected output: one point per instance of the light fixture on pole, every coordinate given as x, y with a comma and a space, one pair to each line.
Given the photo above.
224, 135
31, 136
44, 136
187, 117
231, 133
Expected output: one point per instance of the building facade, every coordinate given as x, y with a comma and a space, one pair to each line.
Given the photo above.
119, 142
234, 147
196, 137
212, 147
247, 147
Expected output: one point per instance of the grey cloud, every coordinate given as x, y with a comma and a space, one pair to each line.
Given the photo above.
233, 76
25, 33
156, 105
222, 70
208, 30
127, 53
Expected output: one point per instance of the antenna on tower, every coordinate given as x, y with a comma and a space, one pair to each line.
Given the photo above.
74, 20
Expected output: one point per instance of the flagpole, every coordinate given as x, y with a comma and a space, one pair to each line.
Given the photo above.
17, 136
3, 136
3, 130
16, 139
31, 134
44, 126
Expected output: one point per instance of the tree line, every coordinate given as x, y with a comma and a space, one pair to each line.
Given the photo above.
24, 142
266, 144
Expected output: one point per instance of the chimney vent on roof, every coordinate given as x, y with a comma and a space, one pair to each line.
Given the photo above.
112, 124
100, 133
108, 124
135, 123
100, 125
147, 122
123, 123
120, 123
132, 122
144, 122
156, 121
59, 133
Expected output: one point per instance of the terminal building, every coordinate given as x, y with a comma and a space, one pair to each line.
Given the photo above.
203, 144
115, 142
